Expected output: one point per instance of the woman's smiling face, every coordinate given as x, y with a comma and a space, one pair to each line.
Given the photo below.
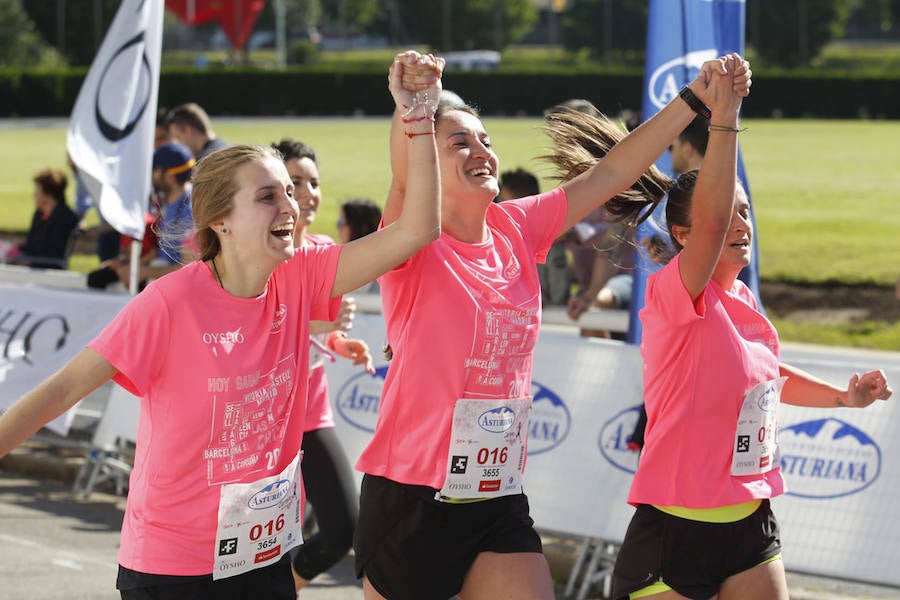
265, 213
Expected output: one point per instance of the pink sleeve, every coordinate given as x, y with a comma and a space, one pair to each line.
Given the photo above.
135, 341
540, 219
667, 296
318, 269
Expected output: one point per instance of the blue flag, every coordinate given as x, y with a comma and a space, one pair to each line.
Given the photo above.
681, 36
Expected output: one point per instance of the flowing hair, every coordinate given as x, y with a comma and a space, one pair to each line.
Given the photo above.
581, 140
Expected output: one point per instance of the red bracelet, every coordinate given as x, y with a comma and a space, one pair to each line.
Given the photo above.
417, 119
414, 134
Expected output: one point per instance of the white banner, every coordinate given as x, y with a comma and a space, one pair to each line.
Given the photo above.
110, 135
841, 464
41, 329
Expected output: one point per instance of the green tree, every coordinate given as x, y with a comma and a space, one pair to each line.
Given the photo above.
448, 25
352, 15
790, 33
605, 26
74, 27
20, 45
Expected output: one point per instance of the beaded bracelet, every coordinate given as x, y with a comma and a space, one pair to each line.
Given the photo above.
429, 105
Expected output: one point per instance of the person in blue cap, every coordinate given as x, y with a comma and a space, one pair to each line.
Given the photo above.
172, 166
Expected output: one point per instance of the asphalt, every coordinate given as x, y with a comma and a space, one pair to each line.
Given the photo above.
44, 459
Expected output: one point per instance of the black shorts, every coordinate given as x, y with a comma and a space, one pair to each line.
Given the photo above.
411, 546
691, 557
274, 582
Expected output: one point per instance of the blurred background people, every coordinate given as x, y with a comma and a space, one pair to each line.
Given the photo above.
190, 125
53, 226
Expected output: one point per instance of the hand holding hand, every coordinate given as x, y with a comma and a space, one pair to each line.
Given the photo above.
866, 389
415, 79
722, 84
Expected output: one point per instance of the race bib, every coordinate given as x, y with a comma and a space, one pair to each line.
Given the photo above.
487, 448
756, 443
258, 522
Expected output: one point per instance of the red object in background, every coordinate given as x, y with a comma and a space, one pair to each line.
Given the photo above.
236, 17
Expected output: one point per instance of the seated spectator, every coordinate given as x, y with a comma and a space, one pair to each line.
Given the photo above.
172, 165
555, 274
52, 226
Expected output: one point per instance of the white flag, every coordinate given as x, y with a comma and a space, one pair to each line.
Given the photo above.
110, 136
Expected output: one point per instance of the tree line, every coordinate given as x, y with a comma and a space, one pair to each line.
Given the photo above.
783, 33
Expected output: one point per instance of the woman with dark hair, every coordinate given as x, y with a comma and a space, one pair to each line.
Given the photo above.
357, 217
327, 474
52, 225
442, 508
713, 381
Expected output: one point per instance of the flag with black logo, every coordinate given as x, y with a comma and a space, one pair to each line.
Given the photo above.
110, 135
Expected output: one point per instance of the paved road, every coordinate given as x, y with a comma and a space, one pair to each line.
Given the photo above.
56, 546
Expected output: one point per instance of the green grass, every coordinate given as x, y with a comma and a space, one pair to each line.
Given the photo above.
824, 191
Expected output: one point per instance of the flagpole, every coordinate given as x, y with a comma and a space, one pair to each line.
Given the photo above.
134, 266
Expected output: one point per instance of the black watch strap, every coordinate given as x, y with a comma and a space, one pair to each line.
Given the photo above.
694, 102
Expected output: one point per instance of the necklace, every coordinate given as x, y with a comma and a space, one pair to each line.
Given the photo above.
216, 271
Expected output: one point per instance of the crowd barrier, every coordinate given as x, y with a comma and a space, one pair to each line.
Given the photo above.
841, 464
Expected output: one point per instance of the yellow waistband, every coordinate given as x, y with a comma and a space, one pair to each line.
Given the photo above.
719, 514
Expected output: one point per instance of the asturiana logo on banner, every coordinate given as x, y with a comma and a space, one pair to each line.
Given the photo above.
549, 421
357, 400
614, 438
666, 81
827, 458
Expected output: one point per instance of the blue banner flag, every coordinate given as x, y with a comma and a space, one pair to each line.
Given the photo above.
681, 36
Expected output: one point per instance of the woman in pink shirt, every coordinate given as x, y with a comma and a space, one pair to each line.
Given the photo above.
442, 510
327, 474
713, 380
218, 353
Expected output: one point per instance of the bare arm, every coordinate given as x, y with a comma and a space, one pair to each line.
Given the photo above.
418, 220
633, 155
805, 389
712, 204
54, 396
410, 72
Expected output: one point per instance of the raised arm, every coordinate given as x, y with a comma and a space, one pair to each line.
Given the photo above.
413, 216
629, 158
712, 203
804, 389
54, 396
410, 73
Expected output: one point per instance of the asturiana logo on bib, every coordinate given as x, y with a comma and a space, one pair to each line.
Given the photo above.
614, 438
497, 420
357, 400
270, 496
549, 422
769, 399
827, 458
665, 82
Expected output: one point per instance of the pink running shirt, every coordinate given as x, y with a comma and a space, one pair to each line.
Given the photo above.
700, 360
318, 406
462, 320
222, 382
